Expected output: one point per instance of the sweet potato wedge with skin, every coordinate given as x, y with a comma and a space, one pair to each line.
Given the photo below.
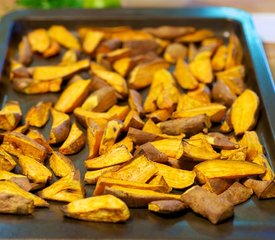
52, 50
159, 180
18, 144
198, 149
10, 115
207, 204
73, 96
34, 170
7, 163
237, 193
196, 36
15, 204
100, 100
235, 154
133, 120
218, 185
167, 206
262, 189
262, 160
176, 178
151, 127
214, 111
115, 55
45, 73
74, 142
130, 35
61, 165
188, 126
111, 158
184, 76
11, 188
135, 101
201, 67
60, 34
175, 51
91, 40
244, 112
105, 208
160, 115
138, 198
140, 47
127, 142
60, 127
24, 51
39, 40
235, 51
32, 86
119, 112
113, 79
66, 189
104, 182
171, 147
151, 153
94, 136
169, 32
91, 177
140, 169
218, 140
110, 135
69, 57
142, 75
186, 102
219, 59
222, 94
228, 169
140, 137
201, 93
39, 138
21, 180
38, 115
108, 45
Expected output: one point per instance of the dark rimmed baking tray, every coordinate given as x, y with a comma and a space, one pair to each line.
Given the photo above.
253, 220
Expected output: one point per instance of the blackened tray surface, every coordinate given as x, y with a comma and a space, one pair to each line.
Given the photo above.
253, 220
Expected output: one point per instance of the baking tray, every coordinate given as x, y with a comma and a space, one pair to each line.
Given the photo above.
253, 220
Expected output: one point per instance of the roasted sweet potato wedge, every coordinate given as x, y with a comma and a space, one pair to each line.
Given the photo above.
73, 96
7, 163
24, 51
151, 127
171, 147
94, 136
133, 120
105, 208
39, 40
9, 187
207, 204
135, 101
100, 100
69, 58
218, 185
108, 46
262, 189
15, 204
169, 32
140, 137
74, 142
60, 34
39, 138
159, 180
61, 165
19, 144
244, 112
91, 40
119, 112
235, 51
176, 178
127, 142
218, 140
52, 50
219, 59
60, 127
66, 189
38, 115
226, 169
21, 180
235, 154
115, 55
175, 51
196, 36
10, 115
111, 158
160, 115
201, 93
167, 206
222, 94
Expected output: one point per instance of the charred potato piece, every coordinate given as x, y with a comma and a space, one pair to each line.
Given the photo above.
38, 115
10, 115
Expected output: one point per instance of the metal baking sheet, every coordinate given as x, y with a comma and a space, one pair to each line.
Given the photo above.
252, 220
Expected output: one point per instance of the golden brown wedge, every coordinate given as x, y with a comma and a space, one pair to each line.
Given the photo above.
219, 59
60, 34
175, 51
196, 36
73, 96
262, 189
244, 112
135, 101
235, 51
137, 197
110, 135
141, 47
94, 136
105, 208
171, 147
74, 142
176, 178
100, 100
69, 58
133, 120
19, 144
66, 189
7, 163
39, 40
208, 204
127, 142
52, 50
61, 165
108, 45
45, 73
34, 170
11, 188
10, 115
169, 32
38, 115
111, 158
60, 127
226, 169
151, 127
92, 40
218, 185
119, 112
140, 169
115, 55
201, 93
167, 206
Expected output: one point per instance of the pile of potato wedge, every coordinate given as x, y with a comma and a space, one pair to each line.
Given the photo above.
163, 109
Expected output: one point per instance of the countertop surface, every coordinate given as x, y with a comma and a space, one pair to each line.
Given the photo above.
251, 6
